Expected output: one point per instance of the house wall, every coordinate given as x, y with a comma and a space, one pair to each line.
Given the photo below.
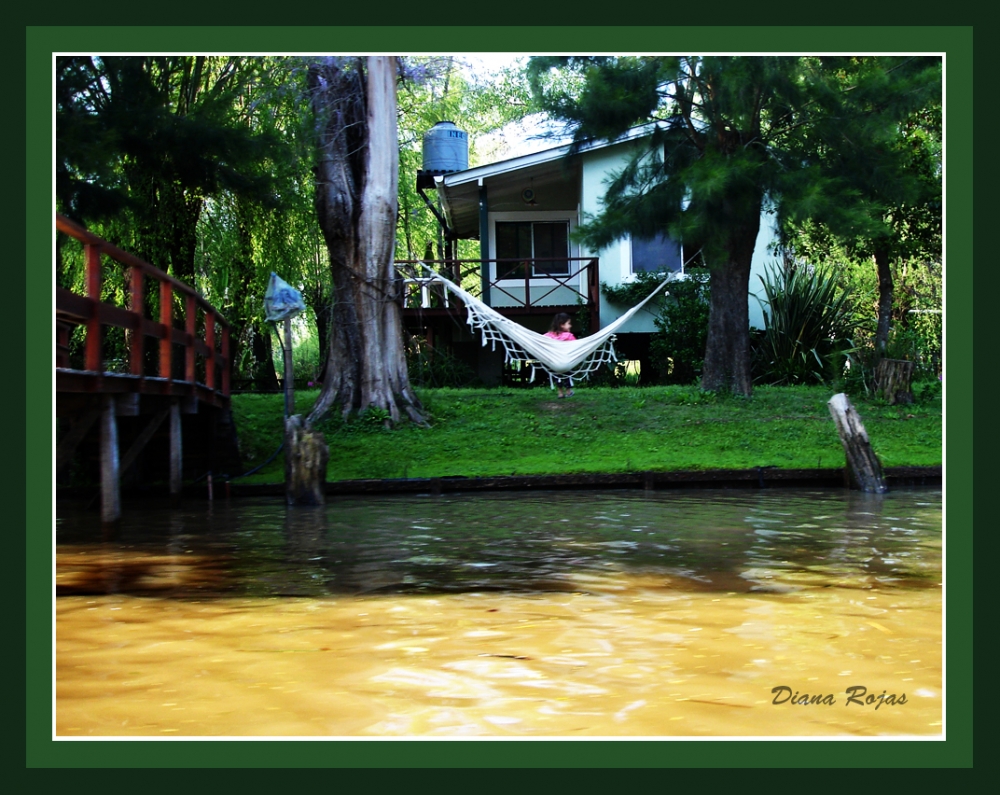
615, 260
613, 263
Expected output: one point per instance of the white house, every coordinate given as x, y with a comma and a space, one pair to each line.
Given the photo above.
524, 210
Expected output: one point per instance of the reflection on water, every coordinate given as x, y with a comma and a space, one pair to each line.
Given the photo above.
530, 614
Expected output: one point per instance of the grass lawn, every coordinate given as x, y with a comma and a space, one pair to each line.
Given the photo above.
488, 432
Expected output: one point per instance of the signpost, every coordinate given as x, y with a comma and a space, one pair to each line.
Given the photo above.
306, 452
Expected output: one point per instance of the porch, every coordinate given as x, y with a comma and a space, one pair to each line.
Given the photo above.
523, 288
530, 291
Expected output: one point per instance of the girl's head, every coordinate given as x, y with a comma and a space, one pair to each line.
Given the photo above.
559, 321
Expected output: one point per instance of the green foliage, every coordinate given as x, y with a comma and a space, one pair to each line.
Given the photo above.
678, 346
915, 331
628, 294
614, 376
155, 136
808, 327
433, 367
907, 344
732, 136
438, 88
375, 417
890, 172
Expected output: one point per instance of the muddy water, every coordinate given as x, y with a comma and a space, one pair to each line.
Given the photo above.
560, 614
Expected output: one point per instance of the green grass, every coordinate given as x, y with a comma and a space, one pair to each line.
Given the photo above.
488, 432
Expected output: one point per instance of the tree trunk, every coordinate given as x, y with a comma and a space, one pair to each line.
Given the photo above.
892, 380
322, 313
885, 298
727, 349
356, 200
263, 373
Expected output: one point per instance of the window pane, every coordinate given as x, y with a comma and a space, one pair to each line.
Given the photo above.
551, 240
658, 253
513, 242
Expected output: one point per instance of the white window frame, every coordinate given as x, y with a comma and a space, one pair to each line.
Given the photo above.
625, 256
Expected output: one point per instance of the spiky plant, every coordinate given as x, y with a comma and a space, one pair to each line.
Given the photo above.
808, 327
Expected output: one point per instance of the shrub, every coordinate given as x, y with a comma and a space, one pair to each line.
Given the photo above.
678, 346
808, 327
435, 367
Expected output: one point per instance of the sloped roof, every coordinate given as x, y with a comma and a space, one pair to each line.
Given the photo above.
549, 169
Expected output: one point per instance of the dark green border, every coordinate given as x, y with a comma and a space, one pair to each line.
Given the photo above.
956, 42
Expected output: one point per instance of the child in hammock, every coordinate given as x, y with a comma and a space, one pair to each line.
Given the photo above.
560, 330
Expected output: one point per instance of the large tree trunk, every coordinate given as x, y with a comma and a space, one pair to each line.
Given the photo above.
356, 200
727, 349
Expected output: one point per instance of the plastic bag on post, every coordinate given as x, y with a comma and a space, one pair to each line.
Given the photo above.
281, 300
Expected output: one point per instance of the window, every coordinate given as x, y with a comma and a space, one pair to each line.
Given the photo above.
535, 243
657, 254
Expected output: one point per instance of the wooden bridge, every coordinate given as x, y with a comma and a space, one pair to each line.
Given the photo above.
134, 371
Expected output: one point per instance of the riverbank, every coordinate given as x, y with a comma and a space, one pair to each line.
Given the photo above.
645, 438
655, 435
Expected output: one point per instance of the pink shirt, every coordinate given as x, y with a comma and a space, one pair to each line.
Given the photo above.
562, 336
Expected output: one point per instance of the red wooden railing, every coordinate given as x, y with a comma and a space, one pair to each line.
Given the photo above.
582, 280
204, 342
582, 283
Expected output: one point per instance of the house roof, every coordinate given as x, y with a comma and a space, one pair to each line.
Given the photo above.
549, 173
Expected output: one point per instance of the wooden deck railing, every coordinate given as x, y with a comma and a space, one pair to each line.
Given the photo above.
580, 282
201, 332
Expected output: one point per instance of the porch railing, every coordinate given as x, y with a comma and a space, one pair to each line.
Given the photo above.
580, 284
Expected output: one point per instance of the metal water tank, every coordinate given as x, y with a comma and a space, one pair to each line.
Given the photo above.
446, 149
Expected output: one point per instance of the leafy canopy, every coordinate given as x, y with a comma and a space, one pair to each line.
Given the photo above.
730, 134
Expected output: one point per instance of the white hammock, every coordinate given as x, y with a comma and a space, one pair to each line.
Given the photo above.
573, 359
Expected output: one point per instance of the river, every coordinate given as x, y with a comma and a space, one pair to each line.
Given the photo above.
688, 613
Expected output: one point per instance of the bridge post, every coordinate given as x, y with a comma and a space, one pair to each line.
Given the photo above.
111, 507
176, 452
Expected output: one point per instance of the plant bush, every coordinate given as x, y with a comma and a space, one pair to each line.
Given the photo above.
809, 327
436, 367
613, 375
678, 345
677, 348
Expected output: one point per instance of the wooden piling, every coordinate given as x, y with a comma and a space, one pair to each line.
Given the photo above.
176, 450
863, 468
306, 456
111, 506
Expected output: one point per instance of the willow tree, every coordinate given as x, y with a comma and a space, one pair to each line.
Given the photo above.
357, 165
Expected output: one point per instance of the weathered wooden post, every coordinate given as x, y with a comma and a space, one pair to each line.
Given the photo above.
863, 467
176, 450
111, 506
306, 456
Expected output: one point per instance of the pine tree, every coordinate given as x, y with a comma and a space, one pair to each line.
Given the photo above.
731, 137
